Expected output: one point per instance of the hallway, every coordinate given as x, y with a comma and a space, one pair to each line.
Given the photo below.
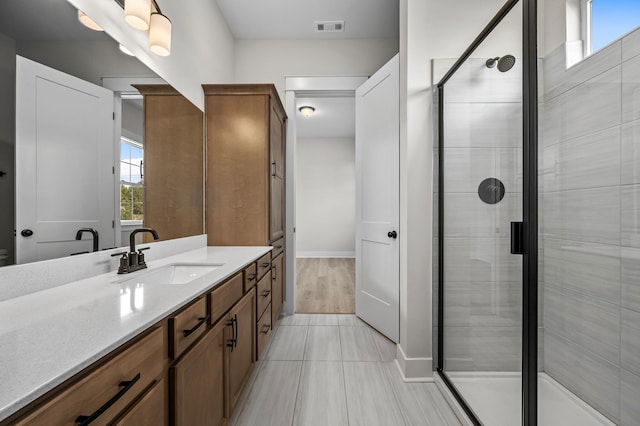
325, 286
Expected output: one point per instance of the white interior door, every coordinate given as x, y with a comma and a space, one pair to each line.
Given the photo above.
64, 160
378, 200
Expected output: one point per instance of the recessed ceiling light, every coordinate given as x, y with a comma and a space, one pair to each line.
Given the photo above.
306, 110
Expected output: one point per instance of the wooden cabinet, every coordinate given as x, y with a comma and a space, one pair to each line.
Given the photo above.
277, 163
190, 369
150, 410
198, 381
107, 390
186, 326
173, 163
277, 287
242, 354
245, 181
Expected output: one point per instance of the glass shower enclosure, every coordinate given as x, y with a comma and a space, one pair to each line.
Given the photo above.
538, 227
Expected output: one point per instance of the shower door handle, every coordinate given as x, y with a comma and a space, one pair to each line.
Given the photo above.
517, 238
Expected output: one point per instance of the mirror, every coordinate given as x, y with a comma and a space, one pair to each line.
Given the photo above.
48, 32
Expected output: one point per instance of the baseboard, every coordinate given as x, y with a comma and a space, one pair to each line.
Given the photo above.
414, 370
325, 254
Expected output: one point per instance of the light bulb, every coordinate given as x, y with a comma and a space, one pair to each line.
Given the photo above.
160, 35
138, 13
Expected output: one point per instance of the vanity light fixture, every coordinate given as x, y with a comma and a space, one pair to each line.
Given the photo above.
137, 13
88, 22
146, 15
307, 111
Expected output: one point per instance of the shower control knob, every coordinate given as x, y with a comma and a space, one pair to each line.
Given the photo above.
26, 232
392, 234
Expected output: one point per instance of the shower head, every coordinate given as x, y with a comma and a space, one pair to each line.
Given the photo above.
504, 64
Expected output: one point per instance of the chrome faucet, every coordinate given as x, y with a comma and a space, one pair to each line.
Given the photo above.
132, 261
93, 232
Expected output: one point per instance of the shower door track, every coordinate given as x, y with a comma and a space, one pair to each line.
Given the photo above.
529, 212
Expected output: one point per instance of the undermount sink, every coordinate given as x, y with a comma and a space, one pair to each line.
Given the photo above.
177, 273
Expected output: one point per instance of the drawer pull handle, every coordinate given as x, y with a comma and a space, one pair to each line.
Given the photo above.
85, 420
277, 247
201, 321
266, 264
265, 328
233, 323
252, 277
266, 293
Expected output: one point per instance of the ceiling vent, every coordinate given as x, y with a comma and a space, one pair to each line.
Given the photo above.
329, 26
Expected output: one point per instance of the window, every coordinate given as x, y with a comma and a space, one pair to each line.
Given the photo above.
605, 21
131, 196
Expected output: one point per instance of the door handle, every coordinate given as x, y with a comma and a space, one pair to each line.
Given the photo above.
26, 232
392, 234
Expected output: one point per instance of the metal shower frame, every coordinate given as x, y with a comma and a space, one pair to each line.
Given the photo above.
529, 209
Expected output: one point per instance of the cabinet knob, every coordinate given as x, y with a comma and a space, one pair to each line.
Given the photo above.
26, 232
392, 234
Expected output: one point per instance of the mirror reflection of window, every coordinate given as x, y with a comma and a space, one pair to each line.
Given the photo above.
131, 180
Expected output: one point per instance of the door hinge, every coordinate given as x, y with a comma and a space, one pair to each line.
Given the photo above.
114, 115
517, 238
113, 170
113, 224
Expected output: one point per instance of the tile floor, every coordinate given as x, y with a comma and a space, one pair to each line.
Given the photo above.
335, 370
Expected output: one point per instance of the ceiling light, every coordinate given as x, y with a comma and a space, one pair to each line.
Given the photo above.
88, 22
138, 13
306, 110
125, 50
160, 34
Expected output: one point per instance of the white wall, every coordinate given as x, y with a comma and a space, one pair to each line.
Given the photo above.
430, 29
202, 46
132, 121
269, 61
87, 60
325, 197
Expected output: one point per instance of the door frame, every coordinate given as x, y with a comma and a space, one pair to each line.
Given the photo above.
122, 87
298, 86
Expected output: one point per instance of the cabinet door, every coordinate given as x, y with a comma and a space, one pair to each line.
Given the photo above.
276, 158
149, 411
242, 355
277, 287
198, 381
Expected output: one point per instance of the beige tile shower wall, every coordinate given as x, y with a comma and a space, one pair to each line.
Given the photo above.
590, 172
483, 290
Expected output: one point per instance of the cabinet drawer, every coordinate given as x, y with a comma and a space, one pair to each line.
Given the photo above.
278, 247
264, 264
223, 297
122, 379
150, 410
250, 274
264, 295
186, 326
263, 330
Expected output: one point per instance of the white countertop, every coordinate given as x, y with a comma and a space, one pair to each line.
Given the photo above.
48, 336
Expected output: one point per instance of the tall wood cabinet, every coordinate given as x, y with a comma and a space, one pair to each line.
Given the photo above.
245, 169
173, 163
245, 164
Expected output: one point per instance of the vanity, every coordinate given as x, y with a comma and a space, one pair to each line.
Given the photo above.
172, 344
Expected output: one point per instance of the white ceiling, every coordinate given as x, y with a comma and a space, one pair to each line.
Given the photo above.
293, 19
52, 20
333, 118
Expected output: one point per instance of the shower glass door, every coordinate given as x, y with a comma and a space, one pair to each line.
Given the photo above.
480, 195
